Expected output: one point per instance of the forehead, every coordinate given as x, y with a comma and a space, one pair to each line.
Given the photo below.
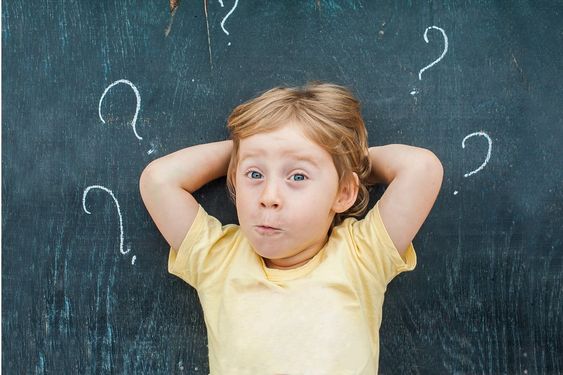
288, 141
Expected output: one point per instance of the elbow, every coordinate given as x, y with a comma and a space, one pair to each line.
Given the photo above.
433, 169
145, 176
149, 178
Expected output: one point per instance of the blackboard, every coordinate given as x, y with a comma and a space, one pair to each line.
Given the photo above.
84, 282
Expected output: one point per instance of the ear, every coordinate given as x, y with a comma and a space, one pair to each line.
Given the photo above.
347, 194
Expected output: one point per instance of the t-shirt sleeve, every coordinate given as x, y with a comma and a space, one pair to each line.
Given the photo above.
376, 250
204, 252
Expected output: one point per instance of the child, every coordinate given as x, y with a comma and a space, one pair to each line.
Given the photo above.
298, 286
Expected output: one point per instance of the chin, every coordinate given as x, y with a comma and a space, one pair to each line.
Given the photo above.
267, 252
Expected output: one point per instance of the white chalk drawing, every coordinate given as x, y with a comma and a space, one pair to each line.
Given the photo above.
483, 134
227, 16
134, 122
443, 52
118, 212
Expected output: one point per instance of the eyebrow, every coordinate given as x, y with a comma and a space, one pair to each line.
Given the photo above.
302, 157
305, 158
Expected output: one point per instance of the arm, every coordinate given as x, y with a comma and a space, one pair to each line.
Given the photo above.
167, 185
414, 176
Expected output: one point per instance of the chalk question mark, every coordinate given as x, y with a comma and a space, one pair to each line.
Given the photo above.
227, 16
483, 134
414, 91
487, 158
134, 122
118, 212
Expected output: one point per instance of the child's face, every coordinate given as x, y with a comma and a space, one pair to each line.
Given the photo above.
286, 191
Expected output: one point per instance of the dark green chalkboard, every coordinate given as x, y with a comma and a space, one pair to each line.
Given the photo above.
89, 293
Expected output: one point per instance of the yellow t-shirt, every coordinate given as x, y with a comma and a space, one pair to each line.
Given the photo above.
320, 318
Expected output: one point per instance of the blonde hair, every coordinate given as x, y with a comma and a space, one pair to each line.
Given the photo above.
328, 114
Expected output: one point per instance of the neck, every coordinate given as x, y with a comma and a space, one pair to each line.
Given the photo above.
281, 264
296, 260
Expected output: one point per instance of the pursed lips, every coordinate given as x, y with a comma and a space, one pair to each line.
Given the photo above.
267, 230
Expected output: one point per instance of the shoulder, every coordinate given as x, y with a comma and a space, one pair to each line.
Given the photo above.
206, 227
206, 250
371, 246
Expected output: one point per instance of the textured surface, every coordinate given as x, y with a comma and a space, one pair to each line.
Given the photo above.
487, 295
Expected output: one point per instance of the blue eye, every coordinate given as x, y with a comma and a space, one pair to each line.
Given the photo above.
298, 177
254, 175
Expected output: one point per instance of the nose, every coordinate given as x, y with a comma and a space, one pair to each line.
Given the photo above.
270, 195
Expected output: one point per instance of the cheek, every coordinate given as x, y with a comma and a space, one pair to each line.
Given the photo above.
244, 202
319, 200
310, 210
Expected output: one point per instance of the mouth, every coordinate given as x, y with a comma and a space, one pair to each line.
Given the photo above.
267, 230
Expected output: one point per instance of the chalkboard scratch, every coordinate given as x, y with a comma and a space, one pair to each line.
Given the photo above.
63, 27
342, 72
169, 27
106, 47
108, 340
208, 35
40, 368
6, 26
173, 7
102, 337
516, 62
522, 76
